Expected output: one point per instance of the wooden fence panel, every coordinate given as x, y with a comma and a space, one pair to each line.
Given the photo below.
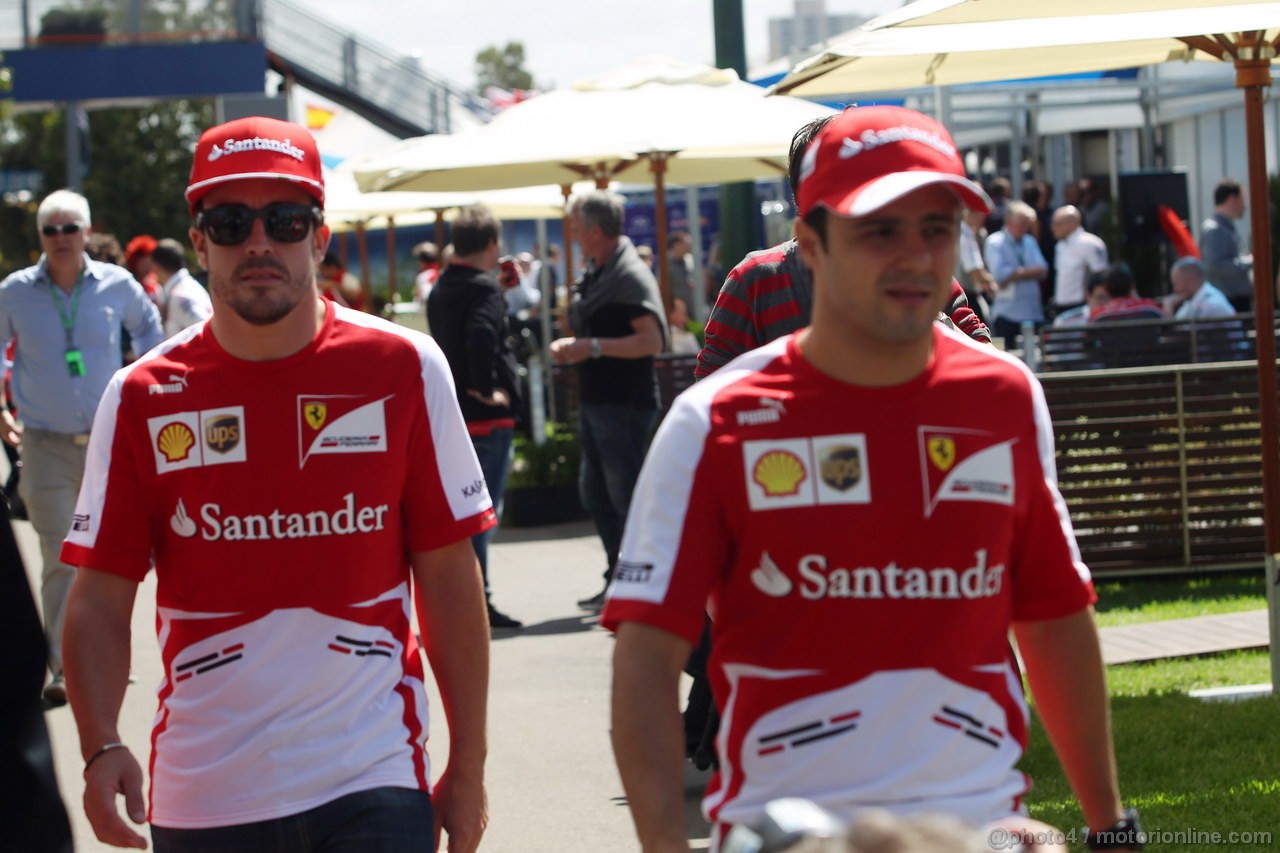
1160, 467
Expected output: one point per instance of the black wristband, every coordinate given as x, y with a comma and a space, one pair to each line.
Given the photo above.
1125, 834
101, 751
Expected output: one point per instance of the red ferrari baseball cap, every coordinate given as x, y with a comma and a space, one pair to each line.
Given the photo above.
868, 157
255, 147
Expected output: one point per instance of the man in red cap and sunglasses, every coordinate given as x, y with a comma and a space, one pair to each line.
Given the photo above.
866, 508
297, 507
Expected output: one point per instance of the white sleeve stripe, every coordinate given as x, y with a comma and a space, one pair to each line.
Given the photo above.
92, 500
455, 455
655, 523
660, 504
1049, 469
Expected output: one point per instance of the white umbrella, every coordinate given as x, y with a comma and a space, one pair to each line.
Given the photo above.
345, 204
657, 120
941, 42
944, 42
348, 209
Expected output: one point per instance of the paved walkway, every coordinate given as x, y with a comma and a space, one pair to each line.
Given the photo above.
552, 781
1181, 637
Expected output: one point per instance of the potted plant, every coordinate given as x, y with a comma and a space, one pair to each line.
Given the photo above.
70, 27
543, 485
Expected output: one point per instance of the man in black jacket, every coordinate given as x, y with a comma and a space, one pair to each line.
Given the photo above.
467, 317
619, 325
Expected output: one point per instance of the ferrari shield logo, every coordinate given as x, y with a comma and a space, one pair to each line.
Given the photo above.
315, 413
942, 452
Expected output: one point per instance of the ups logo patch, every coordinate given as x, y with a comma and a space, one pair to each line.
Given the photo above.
841, 467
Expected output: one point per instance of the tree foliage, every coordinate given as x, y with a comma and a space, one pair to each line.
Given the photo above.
502, 67
139, 160
157, 16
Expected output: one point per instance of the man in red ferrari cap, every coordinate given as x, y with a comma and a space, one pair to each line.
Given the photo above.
297, 507
866, 508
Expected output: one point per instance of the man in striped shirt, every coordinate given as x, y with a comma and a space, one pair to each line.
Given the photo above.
770, 293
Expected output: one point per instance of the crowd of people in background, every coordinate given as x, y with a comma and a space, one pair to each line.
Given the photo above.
1030, 262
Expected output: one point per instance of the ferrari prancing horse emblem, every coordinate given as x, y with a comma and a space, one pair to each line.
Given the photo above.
315, 413
942, 452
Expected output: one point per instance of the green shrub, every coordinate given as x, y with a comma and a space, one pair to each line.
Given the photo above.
554, 463
73, 22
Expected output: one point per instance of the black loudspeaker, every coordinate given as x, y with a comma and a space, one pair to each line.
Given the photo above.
1141, 193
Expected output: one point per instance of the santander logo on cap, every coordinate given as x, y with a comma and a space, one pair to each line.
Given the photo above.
872, 139
234, 146
255, 148
869, 157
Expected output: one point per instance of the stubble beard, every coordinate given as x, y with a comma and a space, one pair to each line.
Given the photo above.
257, 308
909, 329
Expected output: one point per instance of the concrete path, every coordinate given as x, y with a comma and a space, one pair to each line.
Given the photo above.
1180, 637
552, 782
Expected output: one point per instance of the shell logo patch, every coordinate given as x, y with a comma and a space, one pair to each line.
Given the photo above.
175, 441
780, 472
965, 465
196, 439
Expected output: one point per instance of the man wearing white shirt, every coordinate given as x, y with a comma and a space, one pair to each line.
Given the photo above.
1196, 298
183, 302
1077, 255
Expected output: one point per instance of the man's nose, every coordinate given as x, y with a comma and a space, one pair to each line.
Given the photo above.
258, 241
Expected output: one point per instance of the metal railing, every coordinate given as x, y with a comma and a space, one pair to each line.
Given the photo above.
392, 82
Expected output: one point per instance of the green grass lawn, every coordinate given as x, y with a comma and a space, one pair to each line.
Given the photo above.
1192, 767
1131, 601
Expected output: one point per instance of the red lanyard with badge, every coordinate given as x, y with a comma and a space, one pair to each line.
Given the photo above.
74, 357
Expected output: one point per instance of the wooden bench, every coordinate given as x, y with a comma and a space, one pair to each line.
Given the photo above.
1139, 343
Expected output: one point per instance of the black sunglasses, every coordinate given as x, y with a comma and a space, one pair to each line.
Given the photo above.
231, 224
66, 228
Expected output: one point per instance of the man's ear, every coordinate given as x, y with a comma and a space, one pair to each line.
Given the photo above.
201, 247
321, 239
807, 242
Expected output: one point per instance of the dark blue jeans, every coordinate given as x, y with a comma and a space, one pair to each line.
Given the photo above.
381, 820
494, 452
1010, 330
614, 440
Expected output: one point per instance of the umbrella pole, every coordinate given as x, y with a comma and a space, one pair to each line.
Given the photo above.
567, 190
546, 302
439, 233
1254, 77
391, 267
658, 165
362, 249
